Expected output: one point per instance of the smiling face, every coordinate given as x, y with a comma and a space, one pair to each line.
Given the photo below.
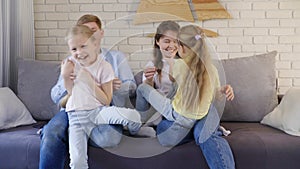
83, 49
168, 44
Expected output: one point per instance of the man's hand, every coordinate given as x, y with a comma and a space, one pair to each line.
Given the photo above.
117, 84
228, 91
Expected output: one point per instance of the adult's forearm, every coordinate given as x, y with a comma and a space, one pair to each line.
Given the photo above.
58, 91
68, 85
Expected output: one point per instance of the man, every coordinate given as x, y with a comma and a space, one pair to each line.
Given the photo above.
53, 149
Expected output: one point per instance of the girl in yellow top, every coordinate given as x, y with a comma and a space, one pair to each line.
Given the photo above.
197, 84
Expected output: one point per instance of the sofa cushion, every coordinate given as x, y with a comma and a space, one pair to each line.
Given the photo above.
257, 146
35, 80
286, 115
12, 111
254, 82
20, 147
138, 77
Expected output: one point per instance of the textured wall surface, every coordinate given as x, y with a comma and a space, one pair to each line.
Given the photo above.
257, 26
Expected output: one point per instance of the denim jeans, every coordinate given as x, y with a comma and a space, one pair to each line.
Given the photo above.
81, 124
215, 148
54, 143
145, 109
176, 129
168, 134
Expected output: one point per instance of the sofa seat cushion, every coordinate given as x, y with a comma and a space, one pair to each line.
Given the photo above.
19, 148
254, 144
185, 156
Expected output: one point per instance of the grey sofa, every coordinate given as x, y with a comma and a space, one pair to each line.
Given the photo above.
254, 145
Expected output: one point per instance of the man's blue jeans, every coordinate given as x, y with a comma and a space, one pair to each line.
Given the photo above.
54, 144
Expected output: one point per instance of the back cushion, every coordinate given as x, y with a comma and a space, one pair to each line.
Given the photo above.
254, 82
35, 80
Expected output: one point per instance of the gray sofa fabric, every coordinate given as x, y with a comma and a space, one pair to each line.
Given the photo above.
254, 146
19, 148
35, 80
253, 79
259, 146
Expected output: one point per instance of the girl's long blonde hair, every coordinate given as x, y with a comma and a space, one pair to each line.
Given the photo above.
198, 63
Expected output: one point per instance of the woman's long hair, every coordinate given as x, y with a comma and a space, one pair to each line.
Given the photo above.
198, 64
161, 29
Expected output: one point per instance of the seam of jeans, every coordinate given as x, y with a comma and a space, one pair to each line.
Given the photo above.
224, 166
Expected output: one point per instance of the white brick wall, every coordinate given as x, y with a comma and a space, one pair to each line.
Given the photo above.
257, 26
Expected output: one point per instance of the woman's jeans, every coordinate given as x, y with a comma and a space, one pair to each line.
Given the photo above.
176, 129
54, 144
182, 125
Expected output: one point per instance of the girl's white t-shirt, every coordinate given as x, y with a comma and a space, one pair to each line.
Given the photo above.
83, 97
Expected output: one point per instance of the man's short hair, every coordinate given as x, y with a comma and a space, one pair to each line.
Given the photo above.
89, 18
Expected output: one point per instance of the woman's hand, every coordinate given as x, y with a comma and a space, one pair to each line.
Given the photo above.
149, 73
228, 91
